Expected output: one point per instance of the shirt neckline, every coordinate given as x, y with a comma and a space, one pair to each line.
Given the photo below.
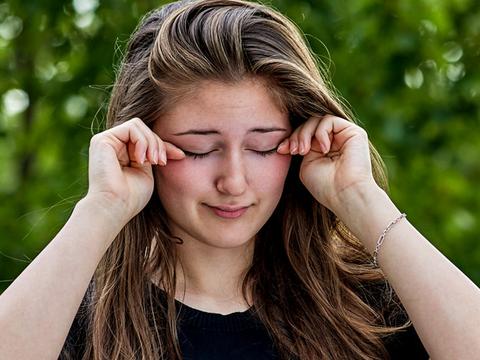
208, 321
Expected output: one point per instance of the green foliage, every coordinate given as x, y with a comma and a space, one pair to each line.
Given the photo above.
409, 69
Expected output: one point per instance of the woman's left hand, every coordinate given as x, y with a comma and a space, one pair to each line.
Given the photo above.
336, 158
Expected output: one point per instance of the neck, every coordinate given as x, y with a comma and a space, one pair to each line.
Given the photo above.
210, 278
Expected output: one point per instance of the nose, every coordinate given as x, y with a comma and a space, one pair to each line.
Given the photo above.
232, 178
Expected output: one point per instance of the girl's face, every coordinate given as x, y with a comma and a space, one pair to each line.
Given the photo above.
236, 128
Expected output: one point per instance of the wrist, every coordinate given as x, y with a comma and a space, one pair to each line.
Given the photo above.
105, 209
366, 210
92, 225
358, 197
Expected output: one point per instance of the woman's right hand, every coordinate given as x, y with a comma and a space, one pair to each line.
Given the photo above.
120, 166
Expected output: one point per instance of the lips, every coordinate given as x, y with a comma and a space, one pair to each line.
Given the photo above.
228, 208
229, 212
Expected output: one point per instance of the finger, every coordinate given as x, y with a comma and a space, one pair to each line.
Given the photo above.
160, 155
137, 145
131, 153
306, 133
174, 152
132, 135
158, 150
166, 151
322, 135
329, 127
293, 140
162, 152
154, 150
284, 147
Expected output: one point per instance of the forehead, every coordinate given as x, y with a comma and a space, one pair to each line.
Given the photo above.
226, 107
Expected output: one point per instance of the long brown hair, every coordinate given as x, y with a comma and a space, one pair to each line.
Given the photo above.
310, 279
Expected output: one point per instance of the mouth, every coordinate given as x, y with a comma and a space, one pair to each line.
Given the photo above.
228, 212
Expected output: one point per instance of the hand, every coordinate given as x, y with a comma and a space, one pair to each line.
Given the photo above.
120, 165
336, 158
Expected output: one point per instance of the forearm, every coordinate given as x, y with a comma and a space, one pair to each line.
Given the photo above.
37, 309
442, 302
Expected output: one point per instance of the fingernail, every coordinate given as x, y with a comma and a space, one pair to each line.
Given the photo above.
142, 159
179, 151
155, 156
302, 149
324, 148
163, 158
281, 146
283, 143
293, 147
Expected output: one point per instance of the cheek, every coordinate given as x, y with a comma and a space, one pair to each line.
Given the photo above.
270, 174
178, 179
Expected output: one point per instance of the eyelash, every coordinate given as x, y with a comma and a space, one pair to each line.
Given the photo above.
200, 156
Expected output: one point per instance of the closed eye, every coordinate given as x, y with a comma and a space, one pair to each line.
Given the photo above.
196, 155
267, 152
203, 155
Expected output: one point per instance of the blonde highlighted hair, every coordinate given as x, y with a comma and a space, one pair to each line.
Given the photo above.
311, 280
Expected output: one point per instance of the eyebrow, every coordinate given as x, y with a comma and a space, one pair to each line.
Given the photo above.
216, 132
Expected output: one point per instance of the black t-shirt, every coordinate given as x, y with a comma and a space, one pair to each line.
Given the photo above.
236, 336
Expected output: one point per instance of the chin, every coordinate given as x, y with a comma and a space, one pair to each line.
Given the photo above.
229, 243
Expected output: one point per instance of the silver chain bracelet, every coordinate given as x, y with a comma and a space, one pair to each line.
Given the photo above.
382, 237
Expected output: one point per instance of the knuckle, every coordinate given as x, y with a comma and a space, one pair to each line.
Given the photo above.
137, 123
134, 123
363, 132
95, 139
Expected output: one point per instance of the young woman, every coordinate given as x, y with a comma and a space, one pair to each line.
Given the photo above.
234, 211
